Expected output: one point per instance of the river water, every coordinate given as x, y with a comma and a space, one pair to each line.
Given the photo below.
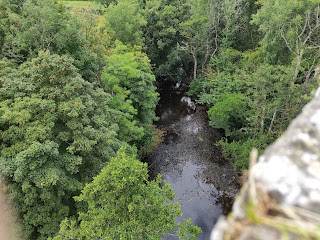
189, 160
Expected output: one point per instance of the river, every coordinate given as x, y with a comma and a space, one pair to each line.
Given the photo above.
188, 159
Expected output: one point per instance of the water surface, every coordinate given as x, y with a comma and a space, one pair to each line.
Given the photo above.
189, 160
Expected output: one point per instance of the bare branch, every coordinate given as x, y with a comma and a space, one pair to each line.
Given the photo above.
287, 43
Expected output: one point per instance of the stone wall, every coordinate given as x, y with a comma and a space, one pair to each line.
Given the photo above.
281, 198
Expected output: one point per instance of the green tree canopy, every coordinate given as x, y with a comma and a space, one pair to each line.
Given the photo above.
121, 203
125, 21
162, 37
263, 72
229, 113
128, 78
41, 26
291, 28
56, 133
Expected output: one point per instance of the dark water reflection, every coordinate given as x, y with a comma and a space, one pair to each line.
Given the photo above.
189, 161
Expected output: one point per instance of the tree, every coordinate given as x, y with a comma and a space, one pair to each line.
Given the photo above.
162, 37
56, 133
229, 113
196, 34
95, 32
121, 203
214, 26
128, 78
125, 22
7, 7
258, 81
46, 25
291, 26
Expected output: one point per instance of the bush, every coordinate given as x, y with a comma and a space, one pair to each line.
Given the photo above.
230, 113
239, 151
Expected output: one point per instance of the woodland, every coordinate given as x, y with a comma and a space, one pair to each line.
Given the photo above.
78, 92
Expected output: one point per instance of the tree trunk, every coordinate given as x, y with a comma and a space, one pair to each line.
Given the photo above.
262, 120
298, 64
272, 121
195, 66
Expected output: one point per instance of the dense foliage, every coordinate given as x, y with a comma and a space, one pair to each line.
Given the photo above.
71, 96
77, 84
45, 25
121, 203
56, 133
262, 73
129, 80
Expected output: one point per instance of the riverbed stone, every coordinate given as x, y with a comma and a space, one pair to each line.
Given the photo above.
283, 187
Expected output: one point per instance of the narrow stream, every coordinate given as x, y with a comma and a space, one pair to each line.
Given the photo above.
204, 182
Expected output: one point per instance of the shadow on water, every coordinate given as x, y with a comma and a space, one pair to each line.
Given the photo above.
189, 160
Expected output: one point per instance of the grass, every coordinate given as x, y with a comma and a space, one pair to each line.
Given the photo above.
83, 4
